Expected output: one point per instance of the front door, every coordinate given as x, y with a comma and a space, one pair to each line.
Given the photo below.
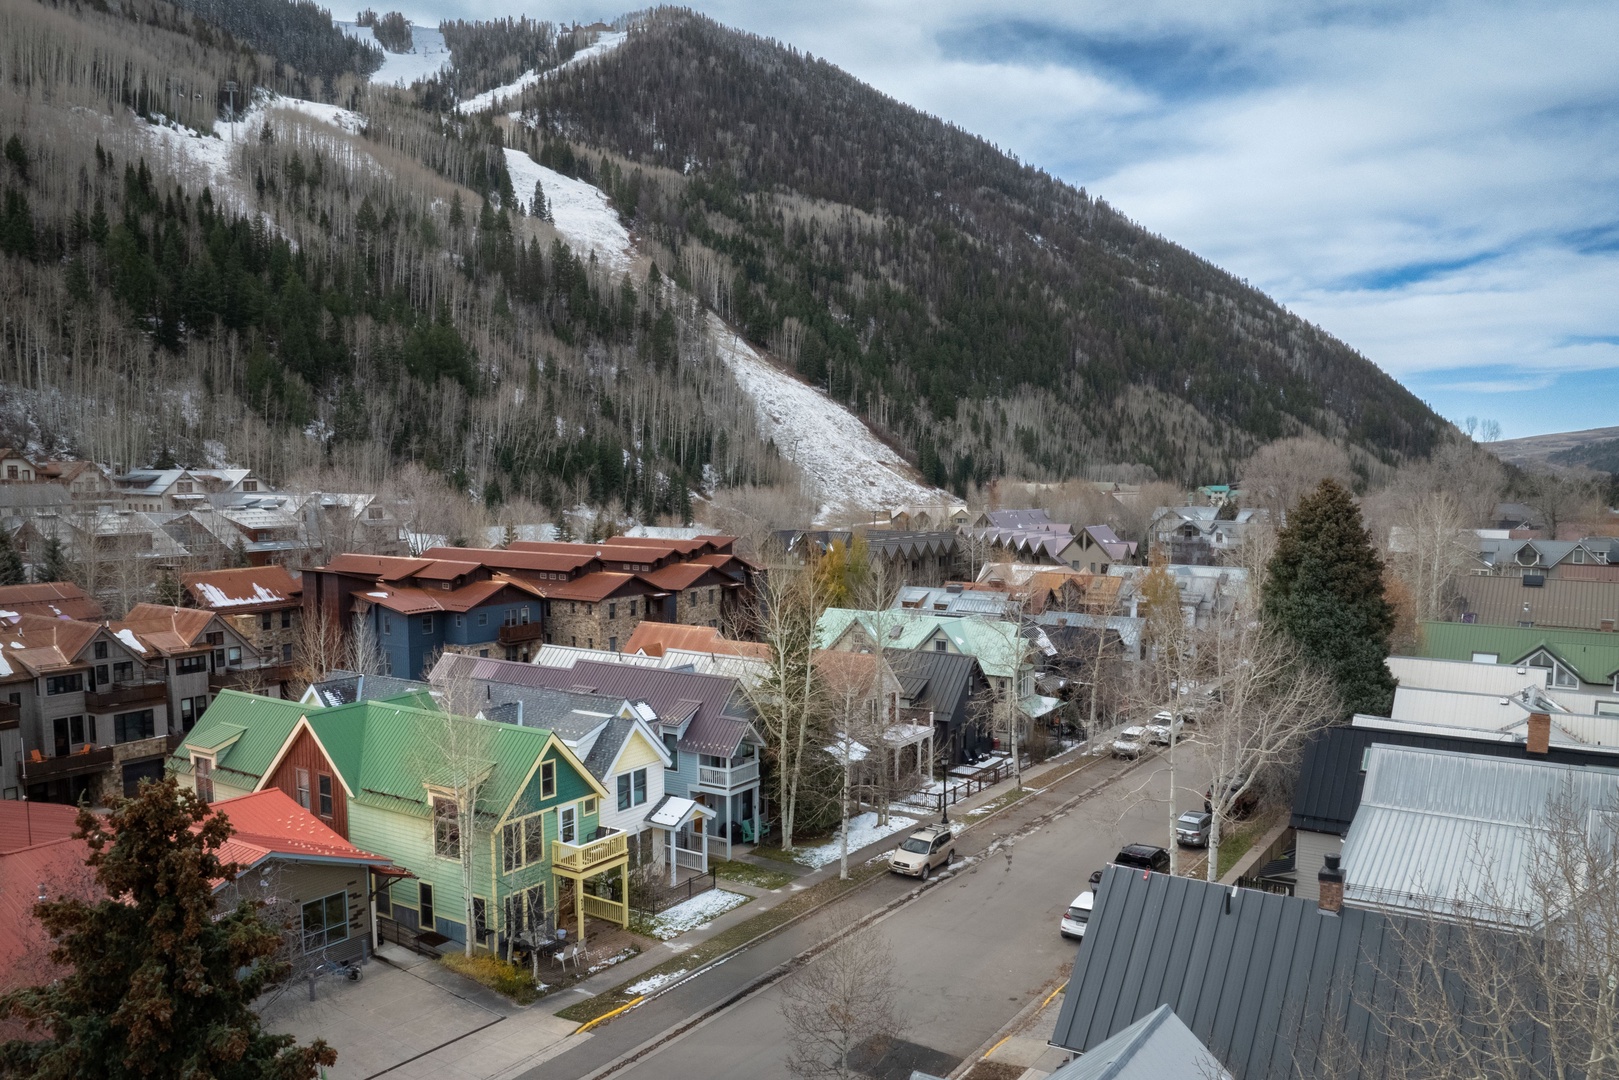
428, 921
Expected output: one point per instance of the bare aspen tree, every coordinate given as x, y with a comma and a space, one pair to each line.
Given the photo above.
319, 649
364, 653
851, 682
1430, 552
839, 1010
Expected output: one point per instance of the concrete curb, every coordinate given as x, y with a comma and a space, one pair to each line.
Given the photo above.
1008, 1029
792, 964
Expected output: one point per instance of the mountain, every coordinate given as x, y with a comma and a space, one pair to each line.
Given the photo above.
1594, 448
514, 271
983, 316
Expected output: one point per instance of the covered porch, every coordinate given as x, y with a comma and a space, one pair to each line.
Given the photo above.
684, 825
732, 818
592, 863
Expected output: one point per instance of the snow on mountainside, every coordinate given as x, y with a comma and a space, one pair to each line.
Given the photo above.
491, 98
427, 57
851, 470
580, 211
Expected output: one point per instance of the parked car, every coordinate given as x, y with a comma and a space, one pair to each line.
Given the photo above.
1245, 803
1130, 742
1078, 915
924, 851
1192, 828
1140, 856
1162, 723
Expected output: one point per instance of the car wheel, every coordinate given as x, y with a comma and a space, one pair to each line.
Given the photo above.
950, 857
926, 870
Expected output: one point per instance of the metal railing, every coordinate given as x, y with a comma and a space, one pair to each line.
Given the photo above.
120, 694
958, 787
581, 857
90, 759
731, 777
663, 897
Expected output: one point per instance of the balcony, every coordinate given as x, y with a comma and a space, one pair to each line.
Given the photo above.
583, 859
121, 695
10, 714
728, 779
518, 633
89, 760
237, 678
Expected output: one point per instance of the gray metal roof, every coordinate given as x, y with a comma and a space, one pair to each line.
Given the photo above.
1156, 1047
1463, 834
347, 687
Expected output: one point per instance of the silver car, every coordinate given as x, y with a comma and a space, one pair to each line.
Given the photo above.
1192, 828
1129, 743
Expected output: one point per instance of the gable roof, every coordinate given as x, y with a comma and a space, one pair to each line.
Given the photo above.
50, 599
165, 628
1260, 979
1465, 834
26, 823
994, 643
260, 727
1158, 1045
1557, 601
1592, 655
656, 638
345, 687
33, 645
246, 588
930, 680
1330, 783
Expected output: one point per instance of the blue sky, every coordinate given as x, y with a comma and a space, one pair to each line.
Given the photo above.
1435, 183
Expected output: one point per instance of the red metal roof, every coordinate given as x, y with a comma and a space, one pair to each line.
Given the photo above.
268, 824
25, 824
52, 599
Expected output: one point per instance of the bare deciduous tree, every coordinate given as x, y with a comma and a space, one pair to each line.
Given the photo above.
1563, 498
1282, 472
1428, 551
839, 1010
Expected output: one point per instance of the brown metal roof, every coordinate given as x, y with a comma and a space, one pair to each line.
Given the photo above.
1559, 601
52, 599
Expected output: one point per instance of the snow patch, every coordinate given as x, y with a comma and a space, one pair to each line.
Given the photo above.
127, 636
853, 471
5, 666
863, 831
653, 982
700, 910
580, 211
217, 598
427, 57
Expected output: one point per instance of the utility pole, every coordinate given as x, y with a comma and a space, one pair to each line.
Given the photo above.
230, 89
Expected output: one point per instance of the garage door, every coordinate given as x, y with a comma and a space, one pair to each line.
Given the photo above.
136, 771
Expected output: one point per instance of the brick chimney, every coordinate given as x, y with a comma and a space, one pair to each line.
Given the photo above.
1331, 880
1540, 733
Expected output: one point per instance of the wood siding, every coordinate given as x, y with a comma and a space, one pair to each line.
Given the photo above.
305, 753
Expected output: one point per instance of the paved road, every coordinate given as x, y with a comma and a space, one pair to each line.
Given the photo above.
970, 951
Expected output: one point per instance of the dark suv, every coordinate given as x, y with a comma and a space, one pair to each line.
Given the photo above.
1140, 856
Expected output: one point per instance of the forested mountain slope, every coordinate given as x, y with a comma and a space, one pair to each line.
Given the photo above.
327, 286
983, 316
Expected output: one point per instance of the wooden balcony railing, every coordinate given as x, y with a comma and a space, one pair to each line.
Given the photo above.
88, 760
729, 778
518, 633
10, 714
579, 858
232, 678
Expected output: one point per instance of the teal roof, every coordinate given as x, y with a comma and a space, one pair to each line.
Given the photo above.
385, 751
1590, 654
994, 643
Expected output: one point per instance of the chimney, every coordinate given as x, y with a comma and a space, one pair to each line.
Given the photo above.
1607, 626
1540, 733
1332, 886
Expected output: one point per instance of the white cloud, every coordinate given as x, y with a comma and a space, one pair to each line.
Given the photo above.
1413, 177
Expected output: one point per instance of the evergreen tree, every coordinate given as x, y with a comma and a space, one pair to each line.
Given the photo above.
1325, 591
11, 568
160, 984
238, 552
168, 587
54, 565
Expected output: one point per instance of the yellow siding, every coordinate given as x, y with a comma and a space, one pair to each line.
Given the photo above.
637, 752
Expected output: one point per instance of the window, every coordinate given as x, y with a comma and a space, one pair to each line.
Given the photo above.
325, 780
234, 656
525, 910
264, 620
939, 645
188, 714
100, 676
216, 638
1607, 708
302, 778
674, 755
185, 665
612, 610
127, 727
460, 621
387, 624
522, 842
203, 770
590, 807
548, 779
640, 786
711, 596
446, 828
326, 921
286, 618
612, 644
632, 609
64, 684
374, 514
567, 824
183, 487
480, 918
631, 789
1486, 658
483, 618
124, 672
427, 624
286, 652
101, 650
429, 921
250, 485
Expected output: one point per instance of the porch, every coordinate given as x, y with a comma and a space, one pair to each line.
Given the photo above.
685, 839
585, 883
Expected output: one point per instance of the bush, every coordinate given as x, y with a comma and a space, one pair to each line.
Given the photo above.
495, 973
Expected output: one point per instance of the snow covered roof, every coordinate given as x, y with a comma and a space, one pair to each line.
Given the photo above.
673, 812
244, 588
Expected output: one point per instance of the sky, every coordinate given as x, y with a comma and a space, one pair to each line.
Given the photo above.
1436, 184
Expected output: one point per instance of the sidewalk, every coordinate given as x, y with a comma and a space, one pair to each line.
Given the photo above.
412, 1019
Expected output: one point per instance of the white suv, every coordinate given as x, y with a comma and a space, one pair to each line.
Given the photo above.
925, 850
1129, 742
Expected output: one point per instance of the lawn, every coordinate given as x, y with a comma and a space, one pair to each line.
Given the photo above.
745, 873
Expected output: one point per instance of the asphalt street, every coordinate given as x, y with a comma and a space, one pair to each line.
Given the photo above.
969, 952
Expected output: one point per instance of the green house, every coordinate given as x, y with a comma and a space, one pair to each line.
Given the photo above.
1578, 660
399, 779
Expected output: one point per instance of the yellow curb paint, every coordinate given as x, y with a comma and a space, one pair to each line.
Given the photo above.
632, 1003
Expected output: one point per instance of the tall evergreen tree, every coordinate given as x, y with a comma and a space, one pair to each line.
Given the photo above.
54, 564
1325, 591
157, 986
11, 568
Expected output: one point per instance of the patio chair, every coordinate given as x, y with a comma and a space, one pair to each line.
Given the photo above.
748, 836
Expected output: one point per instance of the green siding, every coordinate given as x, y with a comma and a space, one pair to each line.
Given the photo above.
1593, 655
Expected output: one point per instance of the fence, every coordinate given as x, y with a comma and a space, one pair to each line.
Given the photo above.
662, 897
962, 782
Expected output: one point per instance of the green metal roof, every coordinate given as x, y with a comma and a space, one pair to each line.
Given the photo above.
1590, 654
385, 751
994, 643
262, 723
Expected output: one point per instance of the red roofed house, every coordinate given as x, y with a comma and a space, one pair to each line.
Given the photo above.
263, 604
52, 599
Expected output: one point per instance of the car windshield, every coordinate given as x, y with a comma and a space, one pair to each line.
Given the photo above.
915, 845
1078, 914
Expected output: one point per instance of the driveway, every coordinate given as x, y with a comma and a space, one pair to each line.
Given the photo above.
413, 1019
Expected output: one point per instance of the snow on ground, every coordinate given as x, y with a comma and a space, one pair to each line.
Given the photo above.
700, 910
850, 468
653, 982
427, 57
603, 45
863, 830
580, 211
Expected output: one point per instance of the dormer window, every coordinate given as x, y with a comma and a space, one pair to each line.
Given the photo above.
1561, 676
1578, 555
1528, 556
